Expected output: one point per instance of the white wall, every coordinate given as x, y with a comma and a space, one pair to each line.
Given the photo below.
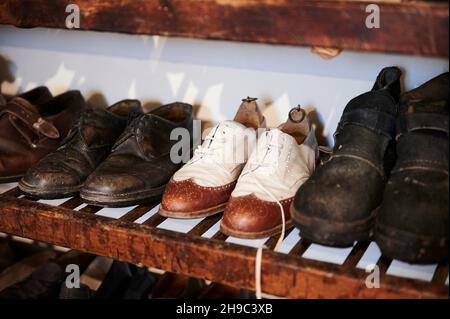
214, 75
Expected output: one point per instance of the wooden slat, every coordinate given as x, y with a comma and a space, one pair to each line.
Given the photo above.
219, 236
204, 225
272, 241
356, 254
383, 264
155, 220
13, 192
441, 273
222, 262
137, 212
300, 248
90, 209
72, 203
409, 27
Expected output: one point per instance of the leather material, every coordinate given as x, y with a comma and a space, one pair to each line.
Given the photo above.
413, 220
208, 179
188, 196
140, 159
204, 184
275, 170
344, 191
251, 215
33, 125
88, 143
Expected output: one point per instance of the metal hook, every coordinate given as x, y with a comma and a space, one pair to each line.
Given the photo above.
298, 108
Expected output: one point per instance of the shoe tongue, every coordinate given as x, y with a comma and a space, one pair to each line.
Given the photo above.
227, 129
275, 136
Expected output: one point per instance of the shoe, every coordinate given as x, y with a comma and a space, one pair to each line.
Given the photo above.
33, 125
62, 173
140, 164
44, 283
412, 224
337, 205
283, 160
141, 284
203, 186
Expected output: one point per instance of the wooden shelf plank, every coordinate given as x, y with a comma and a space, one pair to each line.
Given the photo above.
409, 27
222, 262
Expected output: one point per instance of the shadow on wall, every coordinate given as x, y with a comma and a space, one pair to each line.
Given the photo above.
212, 75
62, 80
7, 69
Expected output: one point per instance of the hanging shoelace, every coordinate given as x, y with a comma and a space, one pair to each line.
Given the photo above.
263, 163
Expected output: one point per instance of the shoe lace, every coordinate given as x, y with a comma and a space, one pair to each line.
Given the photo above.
135, 121
78, 124
258, 259
266, 162
212, 149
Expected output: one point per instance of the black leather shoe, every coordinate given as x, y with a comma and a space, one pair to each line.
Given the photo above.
139, 166
337, 205
62, 173
412, 225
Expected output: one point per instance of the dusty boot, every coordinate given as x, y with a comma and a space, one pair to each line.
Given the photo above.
336, 206
412, 224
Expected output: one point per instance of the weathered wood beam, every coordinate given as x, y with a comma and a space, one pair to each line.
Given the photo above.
411, 27
222, 262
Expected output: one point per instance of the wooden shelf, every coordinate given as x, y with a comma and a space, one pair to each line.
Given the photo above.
283, 274
409, 27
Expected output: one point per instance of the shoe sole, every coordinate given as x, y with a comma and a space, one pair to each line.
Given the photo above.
255, 235
10, 179
122, 200
62, 192
333, 233
195, 214
409, 247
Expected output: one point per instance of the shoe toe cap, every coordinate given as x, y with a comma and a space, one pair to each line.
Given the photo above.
248, 215
187, 196
109, 183
50, 179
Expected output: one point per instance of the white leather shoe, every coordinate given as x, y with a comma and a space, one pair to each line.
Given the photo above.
202, 187
274, 172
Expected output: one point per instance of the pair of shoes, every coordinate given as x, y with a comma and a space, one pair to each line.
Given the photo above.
387, 175
117, 156
253, 182
32, 125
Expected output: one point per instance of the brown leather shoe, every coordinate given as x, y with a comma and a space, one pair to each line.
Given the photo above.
139, 166
203, 186
62, 173
283, 160
33, 125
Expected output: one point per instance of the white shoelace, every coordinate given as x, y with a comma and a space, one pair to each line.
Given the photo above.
258, 259
210, 149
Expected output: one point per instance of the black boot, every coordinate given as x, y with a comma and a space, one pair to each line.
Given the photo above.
412, 224
336, 206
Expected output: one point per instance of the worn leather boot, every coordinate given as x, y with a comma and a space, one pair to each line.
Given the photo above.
203, 186
62, 173
33, 125
284, 159
412, 224
337, 205
140, 164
